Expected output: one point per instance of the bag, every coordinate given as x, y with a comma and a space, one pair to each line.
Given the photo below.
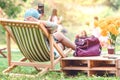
87, 46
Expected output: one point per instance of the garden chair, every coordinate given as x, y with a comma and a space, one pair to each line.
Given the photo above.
1, 52
31, 40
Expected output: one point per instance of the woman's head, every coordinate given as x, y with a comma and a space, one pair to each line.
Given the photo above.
83, 33
32, 13
54, 12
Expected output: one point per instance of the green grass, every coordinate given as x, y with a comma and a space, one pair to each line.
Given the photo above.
48, 76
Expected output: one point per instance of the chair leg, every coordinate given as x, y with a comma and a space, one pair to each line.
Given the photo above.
43, 71
10, 68
2, 53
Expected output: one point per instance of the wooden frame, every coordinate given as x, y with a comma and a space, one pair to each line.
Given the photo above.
97, 65
46, 67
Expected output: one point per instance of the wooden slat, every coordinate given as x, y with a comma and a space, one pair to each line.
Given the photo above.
97, 58
86, 68
75, 68
103, 68
30, 64
17, 22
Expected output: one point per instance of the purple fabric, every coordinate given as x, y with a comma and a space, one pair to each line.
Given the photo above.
89, 46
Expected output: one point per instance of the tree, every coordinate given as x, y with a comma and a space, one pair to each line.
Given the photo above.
114, 4
11, 7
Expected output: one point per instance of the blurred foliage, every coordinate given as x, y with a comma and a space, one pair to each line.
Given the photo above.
75, 13
11, 7
114, 4
73, 10
69, 9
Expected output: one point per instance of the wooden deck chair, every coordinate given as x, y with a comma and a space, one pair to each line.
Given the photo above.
31, 40
1, 52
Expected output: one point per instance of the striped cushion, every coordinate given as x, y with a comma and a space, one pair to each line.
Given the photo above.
31, 43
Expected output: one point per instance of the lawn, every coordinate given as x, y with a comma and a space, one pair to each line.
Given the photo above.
49, 76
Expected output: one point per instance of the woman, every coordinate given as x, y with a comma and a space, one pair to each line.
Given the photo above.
54, 18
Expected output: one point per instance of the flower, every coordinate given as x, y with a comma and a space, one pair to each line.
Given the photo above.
109, 27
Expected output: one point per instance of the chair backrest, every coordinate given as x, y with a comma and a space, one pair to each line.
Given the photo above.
30, 39
31, 43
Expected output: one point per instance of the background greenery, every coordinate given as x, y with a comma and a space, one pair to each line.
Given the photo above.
48, 76
76, 15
